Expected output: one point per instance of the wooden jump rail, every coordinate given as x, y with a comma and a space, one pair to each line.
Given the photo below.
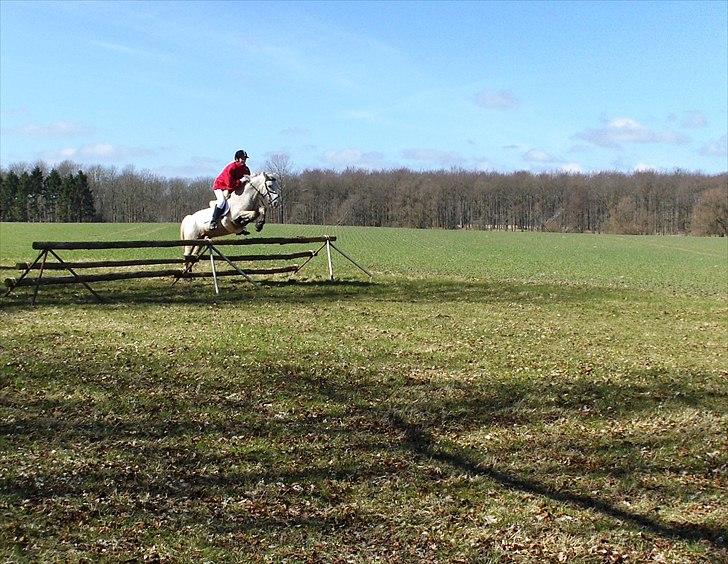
153, 262
95, 245
50, 247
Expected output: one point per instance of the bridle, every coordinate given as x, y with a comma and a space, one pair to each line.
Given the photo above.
269, 201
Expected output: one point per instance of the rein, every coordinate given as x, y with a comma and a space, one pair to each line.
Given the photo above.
266, 196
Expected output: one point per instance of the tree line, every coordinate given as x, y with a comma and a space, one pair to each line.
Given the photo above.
35, 196
637, 203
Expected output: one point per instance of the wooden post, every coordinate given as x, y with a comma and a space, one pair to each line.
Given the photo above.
89, 288
231, 263
27, 270
328, 257
40, 275
351, 260
313, 254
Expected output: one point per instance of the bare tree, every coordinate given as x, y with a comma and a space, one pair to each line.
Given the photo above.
649, 203
281, 165
710, 215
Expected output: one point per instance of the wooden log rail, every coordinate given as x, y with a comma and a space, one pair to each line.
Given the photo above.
154, 262
42, 264
58, 280
91, 245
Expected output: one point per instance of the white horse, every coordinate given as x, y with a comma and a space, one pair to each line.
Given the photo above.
247, 203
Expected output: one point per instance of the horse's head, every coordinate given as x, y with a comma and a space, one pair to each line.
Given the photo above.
267, 186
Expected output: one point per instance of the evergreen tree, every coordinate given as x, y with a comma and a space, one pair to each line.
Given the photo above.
20, 204
53, 183
86, 209
35, 202
8, 193
65, 200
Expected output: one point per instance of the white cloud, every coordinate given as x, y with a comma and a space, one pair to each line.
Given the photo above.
497, 99
579, 148
103, 150
196, 167
98, 151
124, 49
571, 168
622, 130
434, 156
11, 112
371, 116
353, 158
57, 129
717, 148
295, 132
693, 120
484, 164
642, 167
67, 153
538, 156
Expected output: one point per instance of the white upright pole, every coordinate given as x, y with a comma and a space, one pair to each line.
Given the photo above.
231, 263
328, 257
214, 273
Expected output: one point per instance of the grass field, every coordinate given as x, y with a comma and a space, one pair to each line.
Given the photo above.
487, 397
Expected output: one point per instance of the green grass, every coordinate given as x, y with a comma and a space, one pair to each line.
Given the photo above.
487, 397
675, 264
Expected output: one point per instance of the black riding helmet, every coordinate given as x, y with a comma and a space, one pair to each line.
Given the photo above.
241, 154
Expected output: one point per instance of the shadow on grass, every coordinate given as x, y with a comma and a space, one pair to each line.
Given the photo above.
242, 293
289, 447
424, 445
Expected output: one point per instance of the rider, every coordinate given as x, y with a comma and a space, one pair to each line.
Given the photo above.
226, 182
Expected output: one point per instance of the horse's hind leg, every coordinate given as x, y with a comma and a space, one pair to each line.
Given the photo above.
192, 256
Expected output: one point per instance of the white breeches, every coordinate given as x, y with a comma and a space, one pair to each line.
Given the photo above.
221, 201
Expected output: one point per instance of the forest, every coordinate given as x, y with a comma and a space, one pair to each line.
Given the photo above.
647, 202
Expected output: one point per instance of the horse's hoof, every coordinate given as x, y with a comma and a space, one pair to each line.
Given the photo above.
259, 227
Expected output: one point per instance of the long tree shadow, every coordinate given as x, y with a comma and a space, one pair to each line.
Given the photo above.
479, 410
151, 293
421, 443
354, 420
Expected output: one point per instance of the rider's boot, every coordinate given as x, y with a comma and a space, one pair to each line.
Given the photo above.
216, 213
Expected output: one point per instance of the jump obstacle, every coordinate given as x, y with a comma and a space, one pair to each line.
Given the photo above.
42, 264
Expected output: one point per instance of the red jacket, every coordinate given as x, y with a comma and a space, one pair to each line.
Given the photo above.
229, 178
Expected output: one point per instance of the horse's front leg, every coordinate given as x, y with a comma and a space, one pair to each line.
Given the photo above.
261, 219
242, 220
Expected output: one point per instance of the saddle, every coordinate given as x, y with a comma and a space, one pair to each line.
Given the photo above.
225, 208
237, 221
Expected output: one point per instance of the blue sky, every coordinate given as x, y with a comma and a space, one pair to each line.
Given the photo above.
177, 87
